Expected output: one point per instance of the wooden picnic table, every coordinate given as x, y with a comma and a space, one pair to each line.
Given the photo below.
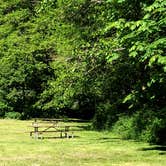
39, 127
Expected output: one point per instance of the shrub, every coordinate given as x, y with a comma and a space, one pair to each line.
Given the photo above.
144, 125
99, 119
3, 108
104, 117
12, 115
2, 113
155, 132
125, 127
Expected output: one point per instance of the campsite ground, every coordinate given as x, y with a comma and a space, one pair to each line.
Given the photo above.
88, 148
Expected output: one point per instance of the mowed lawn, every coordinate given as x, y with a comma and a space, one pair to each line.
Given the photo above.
88, 148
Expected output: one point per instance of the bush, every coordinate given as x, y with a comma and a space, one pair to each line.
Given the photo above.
150, 126
125, 127
155, 132
104, 117
2, 113
12, 115
3, 108
99, 119
143, 125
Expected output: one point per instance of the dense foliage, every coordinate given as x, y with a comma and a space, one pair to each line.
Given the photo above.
100, 59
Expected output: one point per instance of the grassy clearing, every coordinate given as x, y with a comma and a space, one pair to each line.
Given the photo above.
89, 149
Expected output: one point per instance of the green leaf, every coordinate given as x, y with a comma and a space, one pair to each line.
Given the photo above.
113, 57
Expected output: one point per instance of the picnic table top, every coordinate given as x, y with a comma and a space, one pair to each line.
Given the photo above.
61, 126
59, 120
55, 123
56, 126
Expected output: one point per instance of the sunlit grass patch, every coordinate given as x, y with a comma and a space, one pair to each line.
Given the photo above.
88, 148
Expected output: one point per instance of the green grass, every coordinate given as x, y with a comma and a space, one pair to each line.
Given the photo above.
90, 148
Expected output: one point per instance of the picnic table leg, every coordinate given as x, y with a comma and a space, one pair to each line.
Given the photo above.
72, 134
41, 135
66, 135
67, 131
61, 134
36, 133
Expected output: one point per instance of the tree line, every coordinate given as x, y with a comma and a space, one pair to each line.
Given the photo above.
93, 59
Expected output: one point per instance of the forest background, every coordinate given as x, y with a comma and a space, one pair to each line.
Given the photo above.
92, 59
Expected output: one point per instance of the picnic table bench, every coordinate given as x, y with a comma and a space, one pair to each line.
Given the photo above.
41, 127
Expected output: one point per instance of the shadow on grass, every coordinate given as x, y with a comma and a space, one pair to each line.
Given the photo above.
85, 127
50, 137
108, 139
161, 149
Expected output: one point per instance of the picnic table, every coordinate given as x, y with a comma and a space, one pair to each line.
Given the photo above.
50, 126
